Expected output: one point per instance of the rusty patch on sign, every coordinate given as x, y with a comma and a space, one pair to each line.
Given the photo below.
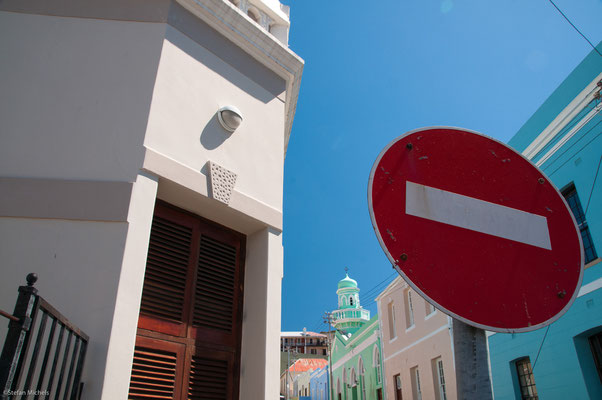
391, 235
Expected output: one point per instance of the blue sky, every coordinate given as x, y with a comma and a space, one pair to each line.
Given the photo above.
374, 70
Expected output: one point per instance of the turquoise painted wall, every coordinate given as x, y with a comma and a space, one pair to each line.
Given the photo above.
345, 346
564, 368
558, 371
558, 100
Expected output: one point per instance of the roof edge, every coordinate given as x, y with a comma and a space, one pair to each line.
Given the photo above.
261, 45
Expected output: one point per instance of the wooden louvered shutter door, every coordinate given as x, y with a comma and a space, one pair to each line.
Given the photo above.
157, 370
211, 375
192, 298
165, 300
216, 313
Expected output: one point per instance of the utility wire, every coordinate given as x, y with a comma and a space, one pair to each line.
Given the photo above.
589, 108
577, 152
593, 186
377, 288
578, 31
540, 346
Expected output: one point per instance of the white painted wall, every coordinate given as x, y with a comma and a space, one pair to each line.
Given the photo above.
78, 264
75, 100
129, 290
260, 366
192, 84
75, 95
81, 98
92, 272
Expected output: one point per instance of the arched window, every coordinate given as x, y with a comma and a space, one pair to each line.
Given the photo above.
360, 368
350, 300
376, 363
339, 385
352, 377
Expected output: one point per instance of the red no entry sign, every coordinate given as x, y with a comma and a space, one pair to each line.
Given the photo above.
476, 229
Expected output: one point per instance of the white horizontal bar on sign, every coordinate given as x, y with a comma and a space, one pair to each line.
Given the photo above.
477, 215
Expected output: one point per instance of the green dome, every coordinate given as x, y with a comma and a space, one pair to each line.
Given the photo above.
347, 282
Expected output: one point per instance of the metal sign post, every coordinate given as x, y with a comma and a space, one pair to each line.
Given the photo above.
471, 362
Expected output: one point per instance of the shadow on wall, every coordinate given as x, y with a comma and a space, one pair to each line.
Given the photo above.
267, 84
213, 135
593, 382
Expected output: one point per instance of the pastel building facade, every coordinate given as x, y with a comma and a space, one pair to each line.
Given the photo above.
563, 360
357, 371
153, 222
320, 384
296, 378
417, 346
304, 342
301, 384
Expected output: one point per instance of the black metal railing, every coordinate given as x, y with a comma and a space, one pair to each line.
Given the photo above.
37, 363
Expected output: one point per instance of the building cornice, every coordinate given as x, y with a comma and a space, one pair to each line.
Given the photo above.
347, 320
364, 329
422, 339
237, 27
170, 170
355, 351
567, 115
391, 287
348, 290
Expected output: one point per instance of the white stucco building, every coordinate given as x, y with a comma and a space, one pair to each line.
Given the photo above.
111, 145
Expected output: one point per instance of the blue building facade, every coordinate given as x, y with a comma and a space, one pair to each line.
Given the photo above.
318, 382
564, 139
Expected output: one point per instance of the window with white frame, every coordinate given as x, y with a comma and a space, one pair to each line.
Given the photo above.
360, 368
409, 308
350, 300
571, 197
429, 308
439, 379
391, 315
352, 377
416, 388
397, 380
376, 363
